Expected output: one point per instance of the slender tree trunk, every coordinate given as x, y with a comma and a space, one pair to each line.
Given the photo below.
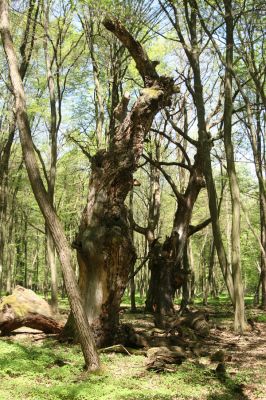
240, 320
256, 140
4, 163
63, 249
256, 298
51, 259
263, 254
25, 252
149, 231
132, 280
53, 133
89, 28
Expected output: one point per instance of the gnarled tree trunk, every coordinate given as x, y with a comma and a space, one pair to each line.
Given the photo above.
167, 271
104, 243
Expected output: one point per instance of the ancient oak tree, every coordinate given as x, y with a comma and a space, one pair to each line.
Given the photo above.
104, 243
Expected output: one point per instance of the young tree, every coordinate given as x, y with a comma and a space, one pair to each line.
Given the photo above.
251, 84
9, 124
41, 195
240, 320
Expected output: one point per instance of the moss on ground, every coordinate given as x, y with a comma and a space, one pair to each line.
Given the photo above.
31, 371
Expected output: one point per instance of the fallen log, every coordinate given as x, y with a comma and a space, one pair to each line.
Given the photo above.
196, 320
25, 308
164, 359
199, 323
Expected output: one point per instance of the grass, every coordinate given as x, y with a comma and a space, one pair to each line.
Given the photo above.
223, 299
30, 371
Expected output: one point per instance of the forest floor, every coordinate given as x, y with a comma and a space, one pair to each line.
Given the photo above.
34, 366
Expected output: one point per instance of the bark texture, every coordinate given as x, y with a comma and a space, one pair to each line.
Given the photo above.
104, 242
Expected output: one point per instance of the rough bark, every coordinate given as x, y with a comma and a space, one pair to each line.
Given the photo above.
51, 218
104, 244
167, 271
24, 308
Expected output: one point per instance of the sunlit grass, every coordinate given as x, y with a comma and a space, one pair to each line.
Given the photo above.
31, 372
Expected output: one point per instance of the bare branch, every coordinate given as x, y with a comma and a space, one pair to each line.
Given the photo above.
139, 267
82, 148
144, 65
179, 145
199, 227
178, 130
169, 179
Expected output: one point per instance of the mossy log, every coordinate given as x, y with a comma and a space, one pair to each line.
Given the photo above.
24, 308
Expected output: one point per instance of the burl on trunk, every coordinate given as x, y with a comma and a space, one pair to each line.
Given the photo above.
104, 244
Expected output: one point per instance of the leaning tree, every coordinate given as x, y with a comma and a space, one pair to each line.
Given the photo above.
41, 194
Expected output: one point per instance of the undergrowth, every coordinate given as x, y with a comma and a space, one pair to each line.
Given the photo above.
32, 369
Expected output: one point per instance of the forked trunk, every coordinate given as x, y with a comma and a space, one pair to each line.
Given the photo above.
104, 243
167, 270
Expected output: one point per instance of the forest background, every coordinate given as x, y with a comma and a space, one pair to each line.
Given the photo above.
132, 170
198, 163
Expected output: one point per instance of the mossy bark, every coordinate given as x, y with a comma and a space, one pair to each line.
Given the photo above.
104, 244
